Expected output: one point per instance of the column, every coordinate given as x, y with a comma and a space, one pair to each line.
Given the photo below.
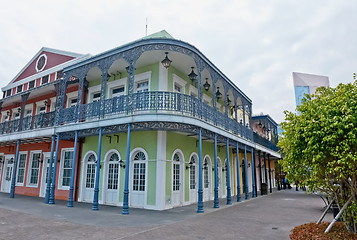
13, 180
228, 177
238, 176
216, 200
200, 191
161, 169
270, 188
71, 187
253, 176
127, 166
265, 170
49, 177
97, 172
53, 182
260, 172
246, 173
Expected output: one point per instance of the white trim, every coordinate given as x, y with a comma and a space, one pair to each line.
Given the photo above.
91, 92
60, 173
53, 104
28, 178
5, 158
179, 81
105, 176
40, 104
131, 162
161, 170
182, 177
196, 180
114, 84
43, 184
44, 65
84, 174
71, 96
141, 78
17, 169
210, 185
193, 89
163, 78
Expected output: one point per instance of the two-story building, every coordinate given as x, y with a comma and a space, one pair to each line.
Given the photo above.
151, 124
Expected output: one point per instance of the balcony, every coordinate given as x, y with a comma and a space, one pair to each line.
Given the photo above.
156, 102
42, 120
265, 142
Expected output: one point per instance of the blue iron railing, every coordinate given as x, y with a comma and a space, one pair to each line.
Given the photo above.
41, 120
154, 102
264, 142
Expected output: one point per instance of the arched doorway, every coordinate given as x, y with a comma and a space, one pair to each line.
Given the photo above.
193, 177
207, 179
138, 178
88, 178
111, 178
177, 179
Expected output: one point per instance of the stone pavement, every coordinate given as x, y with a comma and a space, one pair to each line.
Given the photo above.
266, 217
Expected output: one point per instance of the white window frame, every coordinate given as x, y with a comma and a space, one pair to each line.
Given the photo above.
116, 84
28, 107
4, 116
179, 82
193, 91
18, 167
142, 77
60, 175
40, 104
28, 184
70, 97
14, 113
91, 92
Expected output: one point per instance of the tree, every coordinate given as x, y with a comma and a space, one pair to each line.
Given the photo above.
319, 144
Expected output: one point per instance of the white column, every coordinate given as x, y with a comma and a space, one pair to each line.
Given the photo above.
161, 170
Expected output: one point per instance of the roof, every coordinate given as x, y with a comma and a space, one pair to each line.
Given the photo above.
161, 34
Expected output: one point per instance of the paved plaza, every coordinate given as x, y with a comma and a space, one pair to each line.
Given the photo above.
264, 217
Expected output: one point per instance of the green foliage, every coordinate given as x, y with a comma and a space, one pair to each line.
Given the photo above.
319, 144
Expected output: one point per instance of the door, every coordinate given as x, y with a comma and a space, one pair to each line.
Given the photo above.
89, 178
44, 177
177, 181
8, 168
112, 181
193, 179
206, 180
138, 186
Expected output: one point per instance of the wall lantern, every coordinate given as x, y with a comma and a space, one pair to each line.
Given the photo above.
218, 94
121, 163
206, 85
166, 62
192, 75
228, 100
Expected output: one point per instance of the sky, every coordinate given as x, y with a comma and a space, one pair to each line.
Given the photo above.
257, 44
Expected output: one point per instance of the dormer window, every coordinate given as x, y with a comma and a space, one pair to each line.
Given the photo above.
8, 93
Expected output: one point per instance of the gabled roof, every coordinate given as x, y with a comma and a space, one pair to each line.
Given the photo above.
26, 71
161, 34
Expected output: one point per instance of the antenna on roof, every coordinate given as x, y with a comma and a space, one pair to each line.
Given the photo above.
146, 32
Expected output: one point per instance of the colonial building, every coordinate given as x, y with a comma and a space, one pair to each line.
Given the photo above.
151, 124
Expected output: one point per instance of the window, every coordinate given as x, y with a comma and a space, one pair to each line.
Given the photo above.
9, 167
8, 93
177, 88
21, 168
28, 112
96, 97
32, 84
35, 168
90, 177
59, 74
193, 174
73, 102
16, 115
41, 109
19, 89
113, 172
44, 80
205, 173
139, 170
142, 86
66, 172
116, 92
176, 173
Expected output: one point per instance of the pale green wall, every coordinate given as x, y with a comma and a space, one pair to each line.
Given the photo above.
148, 144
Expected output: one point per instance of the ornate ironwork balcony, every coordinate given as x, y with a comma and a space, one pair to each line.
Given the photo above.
42, 120
154, 102
265, 142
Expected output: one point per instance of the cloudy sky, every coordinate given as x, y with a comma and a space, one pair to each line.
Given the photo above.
257, 44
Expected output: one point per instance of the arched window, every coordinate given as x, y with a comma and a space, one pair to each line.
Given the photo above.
90, 178
113, 171
176, 173
205, 173
193, 172
139, 170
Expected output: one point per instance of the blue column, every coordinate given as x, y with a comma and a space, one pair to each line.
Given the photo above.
253, 176
53, 182
70, 195
246, 173
126, 187
238, 176
97, 173
13, 180
216, 200
228, 177
200, 191
48, 186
